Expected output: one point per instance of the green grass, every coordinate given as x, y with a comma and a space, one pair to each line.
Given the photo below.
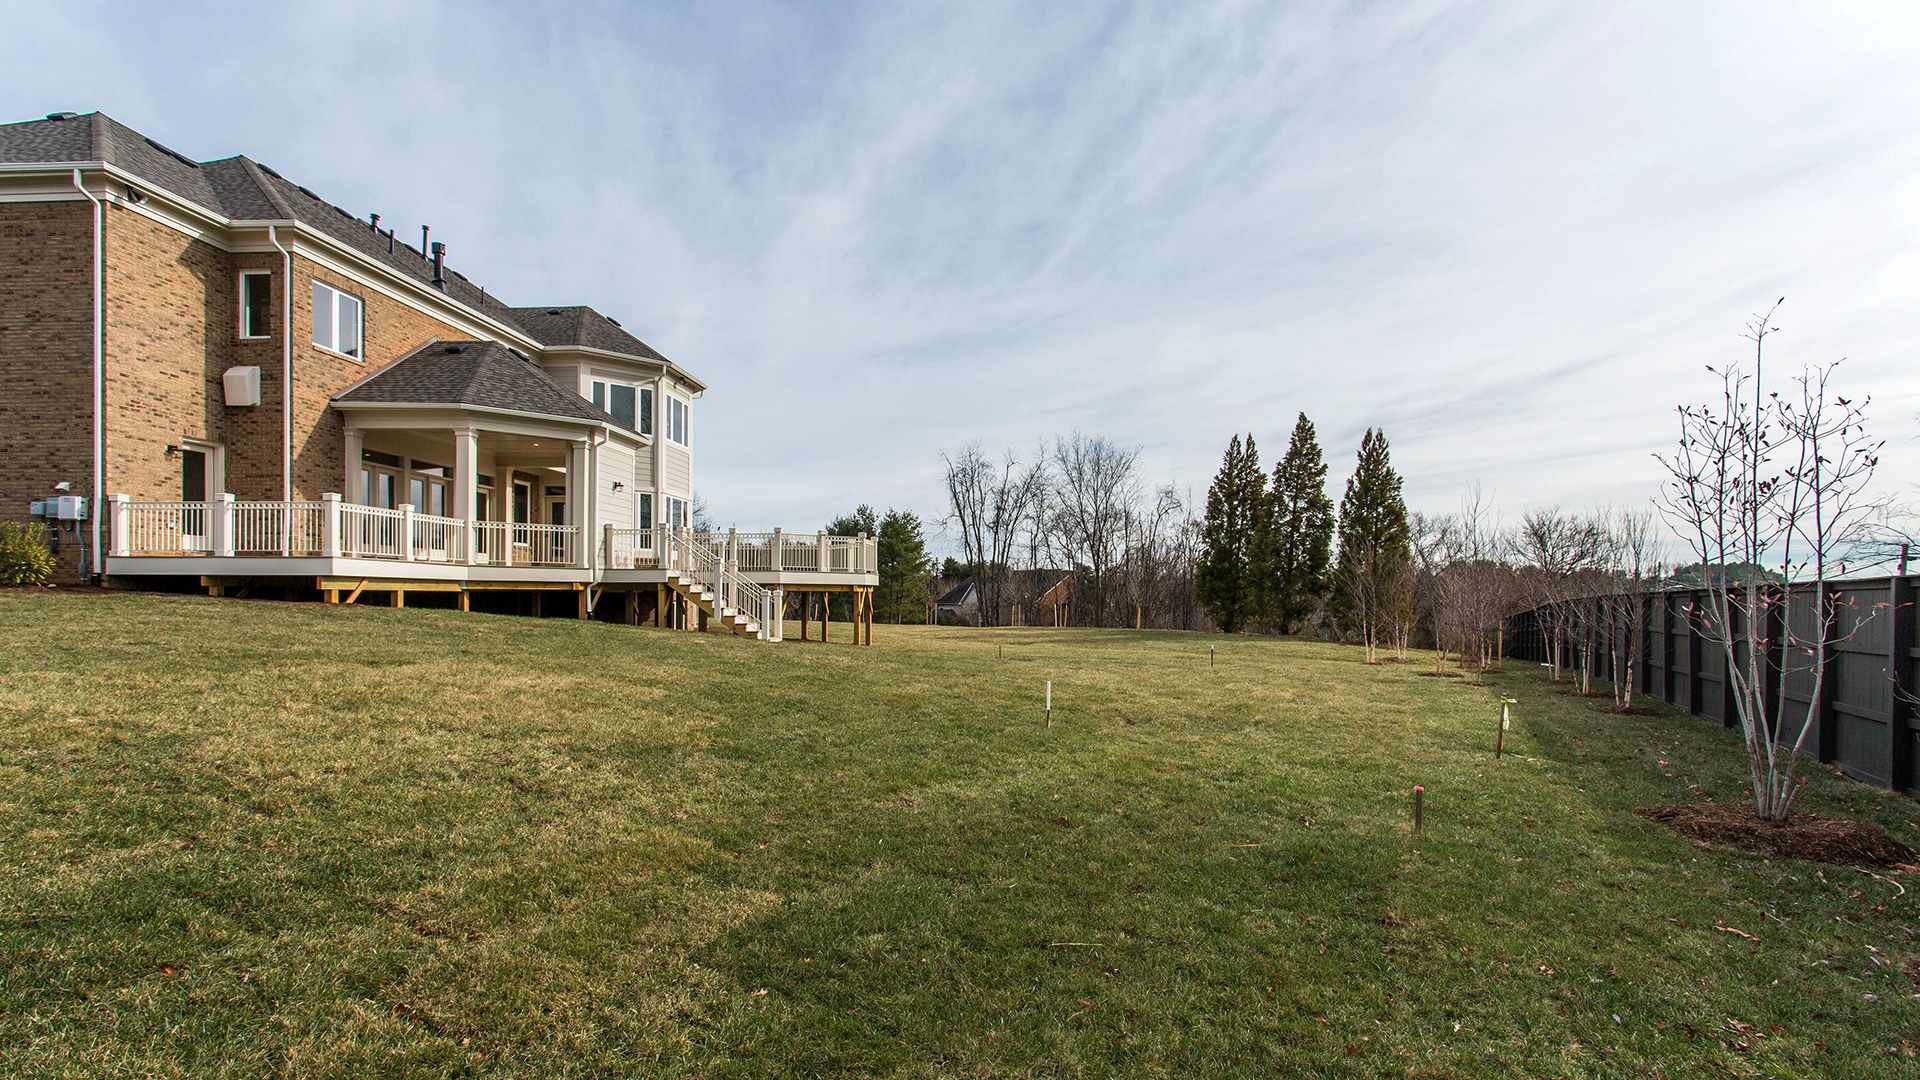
246, 839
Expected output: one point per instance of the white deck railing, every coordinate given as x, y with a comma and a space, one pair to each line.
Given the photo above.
224, 526
777, 551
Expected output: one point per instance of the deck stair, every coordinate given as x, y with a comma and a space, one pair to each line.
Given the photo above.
707, 579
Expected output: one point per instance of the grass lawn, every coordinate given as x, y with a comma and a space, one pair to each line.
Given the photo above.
246, 838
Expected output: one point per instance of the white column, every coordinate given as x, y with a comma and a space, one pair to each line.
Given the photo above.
779, 541
406, 531
825, 562
466, 483
356, 489
577, 497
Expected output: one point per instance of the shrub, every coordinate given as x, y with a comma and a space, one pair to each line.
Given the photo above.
24, 558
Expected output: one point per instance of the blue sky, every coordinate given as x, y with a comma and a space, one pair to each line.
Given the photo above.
1510, 234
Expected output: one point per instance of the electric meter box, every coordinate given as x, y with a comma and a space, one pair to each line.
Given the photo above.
242, 385
37, 508
68, 508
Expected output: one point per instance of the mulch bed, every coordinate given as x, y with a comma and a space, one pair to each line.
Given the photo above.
1802, 836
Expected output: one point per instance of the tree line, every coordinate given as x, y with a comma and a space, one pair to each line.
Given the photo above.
1078, 504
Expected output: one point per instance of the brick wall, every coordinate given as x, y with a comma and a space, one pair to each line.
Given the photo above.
172, 331
46, 357
391, 330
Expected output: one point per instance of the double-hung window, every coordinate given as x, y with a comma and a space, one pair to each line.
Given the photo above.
256, 304
336, 320
677, 411
631, 405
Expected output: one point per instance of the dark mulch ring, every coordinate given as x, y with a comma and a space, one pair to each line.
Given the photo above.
1627, 710
1802, 836
1479, 682
1575, 692
1440, 675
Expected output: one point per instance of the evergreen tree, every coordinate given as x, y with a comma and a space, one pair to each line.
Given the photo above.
904, 569
1295, 545
863, 520
1223, 579
1375, 541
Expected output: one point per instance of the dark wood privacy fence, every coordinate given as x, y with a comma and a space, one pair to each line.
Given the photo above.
1864, 722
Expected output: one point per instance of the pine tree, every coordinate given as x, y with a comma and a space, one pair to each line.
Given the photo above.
1295, 544
904, 569
1223, 579
1375, 546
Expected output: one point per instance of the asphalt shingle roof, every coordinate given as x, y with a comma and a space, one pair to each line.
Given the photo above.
581, 326
242, 189
485, 374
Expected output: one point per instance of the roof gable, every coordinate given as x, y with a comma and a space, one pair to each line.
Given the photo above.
481, 374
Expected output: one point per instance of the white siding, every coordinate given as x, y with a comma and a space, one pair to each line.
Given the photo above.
642, 470
614, 507
676, 472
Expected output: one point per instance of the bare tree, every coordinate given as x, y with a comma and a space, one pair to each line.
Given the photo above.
1762, 480
1556, 551
992, 506
1094, 486
1632, 572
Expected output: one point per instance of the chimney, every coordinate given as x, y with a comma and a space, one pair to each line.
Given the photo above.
440, 266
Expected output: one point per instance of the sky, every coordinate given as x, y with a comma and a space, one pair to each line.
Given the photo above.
1510, 235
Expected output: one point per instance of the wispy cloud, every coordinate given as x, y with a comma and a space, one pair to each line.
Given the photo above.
1511, 237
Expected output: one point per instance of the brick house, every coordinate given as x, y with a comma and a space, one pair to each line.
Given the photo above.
233, 382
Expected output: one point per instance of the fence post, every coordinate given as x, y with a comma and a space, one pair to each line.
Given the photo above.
221, 526
1776, 659
1694, 654
330, 524
119, 525
406, 532
1667, 646
822, 551
1900, 678
1729, 708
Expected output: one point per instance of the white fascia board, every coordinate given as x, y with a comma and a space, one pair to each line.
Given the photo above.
668, 366
429, 409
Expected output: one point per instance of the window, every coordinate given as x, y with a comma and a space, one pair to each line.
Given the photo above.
677, 420
643, 510
256, 305
631, 405
336, 320
676, 512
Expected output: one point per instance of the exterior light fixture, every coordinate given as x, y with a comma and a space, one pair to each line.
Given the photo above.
618, 486
172, 450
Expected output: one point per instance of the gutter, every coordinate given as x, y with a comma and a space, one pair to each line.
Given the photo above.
99, 377
286, 362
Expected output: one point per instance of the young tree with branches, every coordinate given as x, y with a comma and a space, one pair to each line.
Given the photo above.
1294, 542
1225, 579
990, 505
1374, 542
1764, 479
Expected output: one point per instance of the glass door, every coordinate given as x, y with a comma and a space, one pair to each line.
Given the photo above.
193, 492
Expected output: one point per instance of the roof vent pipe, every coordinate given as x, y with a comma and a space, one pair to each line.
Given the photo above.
440, 266
373, 222
423, 241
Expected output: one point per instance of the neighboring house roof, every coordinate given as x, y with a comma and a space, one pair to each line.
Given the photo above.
956, 596
241, 189
1039, 582
482, 374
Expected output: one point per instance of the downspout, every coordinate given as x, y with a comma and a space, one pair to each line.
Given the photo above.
286, 363
99, 379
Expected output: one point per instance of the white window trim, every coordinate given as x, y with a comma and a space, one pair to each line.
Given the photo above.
642, 388
667, 420
362, 358
240, 307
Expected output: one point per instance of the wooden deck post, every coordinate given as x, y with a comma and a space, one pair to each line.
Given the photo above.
464, 600
333, 596
586, 604
633, 607
826, 615
659, 605
397, 598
